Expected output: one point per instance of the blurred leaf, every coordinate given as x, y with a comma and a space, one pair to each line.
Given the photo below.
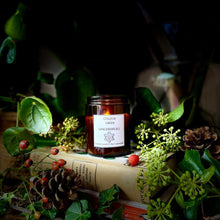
8, 49
35, 115
72, 89
45, 77
11, 138
16, 26
147, 100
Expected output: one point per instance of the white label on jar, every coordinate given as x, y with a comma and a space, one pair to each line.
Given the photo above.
108, 130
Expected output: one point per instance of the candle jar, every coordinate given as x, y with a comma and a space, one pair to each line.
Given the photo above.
107, 119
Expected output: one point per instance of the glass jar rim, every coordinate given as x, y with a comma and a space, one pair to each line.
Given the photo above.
107, 99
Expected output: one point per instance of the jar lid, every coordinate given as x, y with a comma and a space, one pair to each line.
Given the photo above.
107, 99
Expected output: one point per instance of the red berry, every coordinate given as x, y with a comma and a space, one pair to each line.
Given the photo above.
31, 185
37, 215
55, 165
54, 151
61, 162
44, 199
28, 162
43, 180
24, 144
133, 159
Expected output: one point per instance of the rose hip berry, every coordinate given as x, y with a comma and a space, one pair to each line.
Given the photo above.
55, 165
28, 162
61, 162
37, 215
133, 160
44, 199
54, 151
43, 180
24, 144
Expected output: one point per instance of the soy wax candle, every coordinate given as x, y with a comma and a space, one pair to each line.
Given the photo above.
107, 119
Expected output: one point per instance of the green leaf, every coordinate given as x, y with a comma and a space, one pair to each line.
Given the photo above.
72, 89
176, 113
45, 77
191, 209
207, 159
146, 99
106, 198
8, 49
35, 115
191, 161
180, 199
207, 174
16, 25
78, 211
11, 138
118, 214
4, 204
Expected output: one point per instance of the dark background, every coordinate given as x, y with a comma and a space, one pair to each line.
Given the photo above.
110, 37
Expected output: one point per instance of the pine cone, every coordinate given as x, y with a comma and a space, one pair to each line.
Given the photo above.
60, 189
200, 139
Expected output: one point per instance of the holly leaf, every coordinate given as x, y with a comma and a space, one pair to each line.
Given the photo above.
78, 211
11, 138
191, 161
35, 115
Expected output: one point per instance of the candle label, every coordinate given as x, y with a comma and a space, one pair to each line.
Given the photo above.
108, 130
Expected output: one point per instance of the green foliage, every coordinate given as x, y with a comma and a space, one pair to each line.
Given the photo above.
106, 198
16, 26
78, 211
8, 50
193, 177
35, 115
11, 138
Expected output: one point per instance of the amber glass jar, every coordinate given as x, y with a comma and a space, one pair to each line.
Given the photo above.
107, 120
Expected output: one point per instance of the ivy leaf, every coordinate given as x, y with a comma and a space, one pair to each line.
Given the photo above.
78, 211
4, 204
209, 160
176, 113
146, 99
118, 213
35, 115
191, 161
207, 174
11, 138
180, 199
191, 209
107, 197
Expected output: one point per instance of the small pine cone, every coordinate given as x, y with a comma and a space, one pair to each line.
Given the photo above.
199, 139
60, 189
